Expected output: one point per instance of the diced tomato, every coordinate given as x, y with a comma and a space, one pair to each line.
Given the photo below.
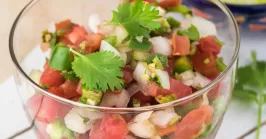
113, 126
205, 63
63, 25
169, 3
181, 45
167, 130
128, 74
76, 98
79, 90
140, 96
169, 69
77, 35
154, 90
70, 89
43, 108
209, 44
93, 42
51, 77
57, 91
179, 89
191, 125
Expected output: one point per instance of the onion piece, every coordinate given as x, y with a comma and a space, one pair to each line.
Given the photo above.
75, 118
141, 126
93, 22
118, 100
133, 89
163, 118
200, 81
35, 75
124, 49
187, 77
105, 46
163, 78
161, 45
139, 74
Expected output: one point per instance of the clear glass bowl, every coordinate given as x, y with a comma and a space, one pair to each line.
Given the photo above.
36, 16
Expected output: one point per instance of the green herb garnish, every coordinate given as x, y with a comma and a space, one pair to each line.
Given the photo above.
70, 75
61, 59
251, 85
139, 19
111, 40
220, 64
99, 71
192, 33
173, 23
163, 59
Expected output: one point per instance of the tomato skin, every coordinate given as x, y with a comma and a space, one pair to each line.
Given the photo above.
168, 130
79, 90
209, 69
179, 89
209, 45
93, 42
51, 77
181, 45
63, 24
57, 91
191, 124
154, 90
127, 74
70, 89
169, 3
140, 96
112, 126
77, 35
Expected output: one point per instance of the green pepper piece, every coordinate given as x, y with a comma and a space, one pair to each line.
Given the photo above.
182, 64
173, 23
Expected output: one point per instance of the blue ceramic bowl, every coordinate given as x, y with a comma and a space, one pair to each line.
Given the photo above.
251, 18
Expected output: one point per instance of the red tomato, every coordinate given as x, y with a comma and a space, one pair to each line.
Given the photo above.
154, 90
43, 108
113, 126
169, 3
192, 124
170, 67
181, 45
77, 35
208, 69
70, 89
57, 91
179, 89
209, 44
51, 77
79, 90
93, 42
167, 130
140, 96
128, 74
63, 25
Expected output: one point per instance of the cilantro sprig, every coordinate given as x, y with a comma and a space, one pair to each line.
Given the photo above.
98, 71
139, 19
251, 85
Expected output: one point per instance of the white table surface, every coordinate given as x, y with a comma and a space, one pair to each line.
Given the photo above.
238, 119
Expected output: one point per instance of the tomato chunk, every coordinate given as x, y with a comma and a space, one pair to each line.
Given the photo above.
140, 96
66, 24
179, 89
112, 126
51, 78
93, 42
154, 90
128, 74
168, 130
70, 89
77, 35
57, 91
205, 63
169, 3
181, 45
209, 44
192, 124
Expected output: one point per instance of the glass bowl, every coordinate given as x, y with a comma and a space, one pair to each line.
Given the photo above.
49, 112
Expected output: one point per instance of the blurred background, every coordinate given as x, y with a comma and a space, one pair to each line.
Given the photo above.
240, 118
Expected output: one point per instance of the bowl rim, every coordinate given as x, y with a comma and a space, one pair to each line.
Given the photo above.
207, 88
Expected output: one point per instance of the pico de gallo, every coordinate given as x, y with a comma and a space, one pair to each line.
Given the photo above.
149, 53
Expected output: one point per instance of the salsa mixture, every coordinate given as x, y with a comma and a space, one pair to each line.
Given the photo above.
149, 53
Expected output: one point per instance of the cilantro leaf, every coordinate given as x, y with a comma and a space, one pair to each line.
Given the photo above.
163, 59
70, 75
139, 19
192, 33
99, 71
144, 45
61, 58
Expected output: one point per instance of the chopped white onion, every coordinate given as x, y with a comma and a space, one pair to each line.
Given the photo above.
140, 71
205, 99
204, 26
188, 82
124, 49
121, 34
106, 30
94, 22
200, 81
161, 45
105, 46
141, 126
133, 89
163, 78
162, 118
35, 75
119, 100
52, 27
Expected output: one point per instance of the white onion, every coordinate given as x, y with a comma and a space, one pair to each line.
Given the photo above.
105, 46
119, 100
35, 75
124, 49
121, 34
106, 30
164, 78
141, 126
133, 89
205, 99
123, 57
94, 22
200, 80
187, 75
188, 82
74, 120
162, 118
52, 27
138, 73
204, 26
161, 45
